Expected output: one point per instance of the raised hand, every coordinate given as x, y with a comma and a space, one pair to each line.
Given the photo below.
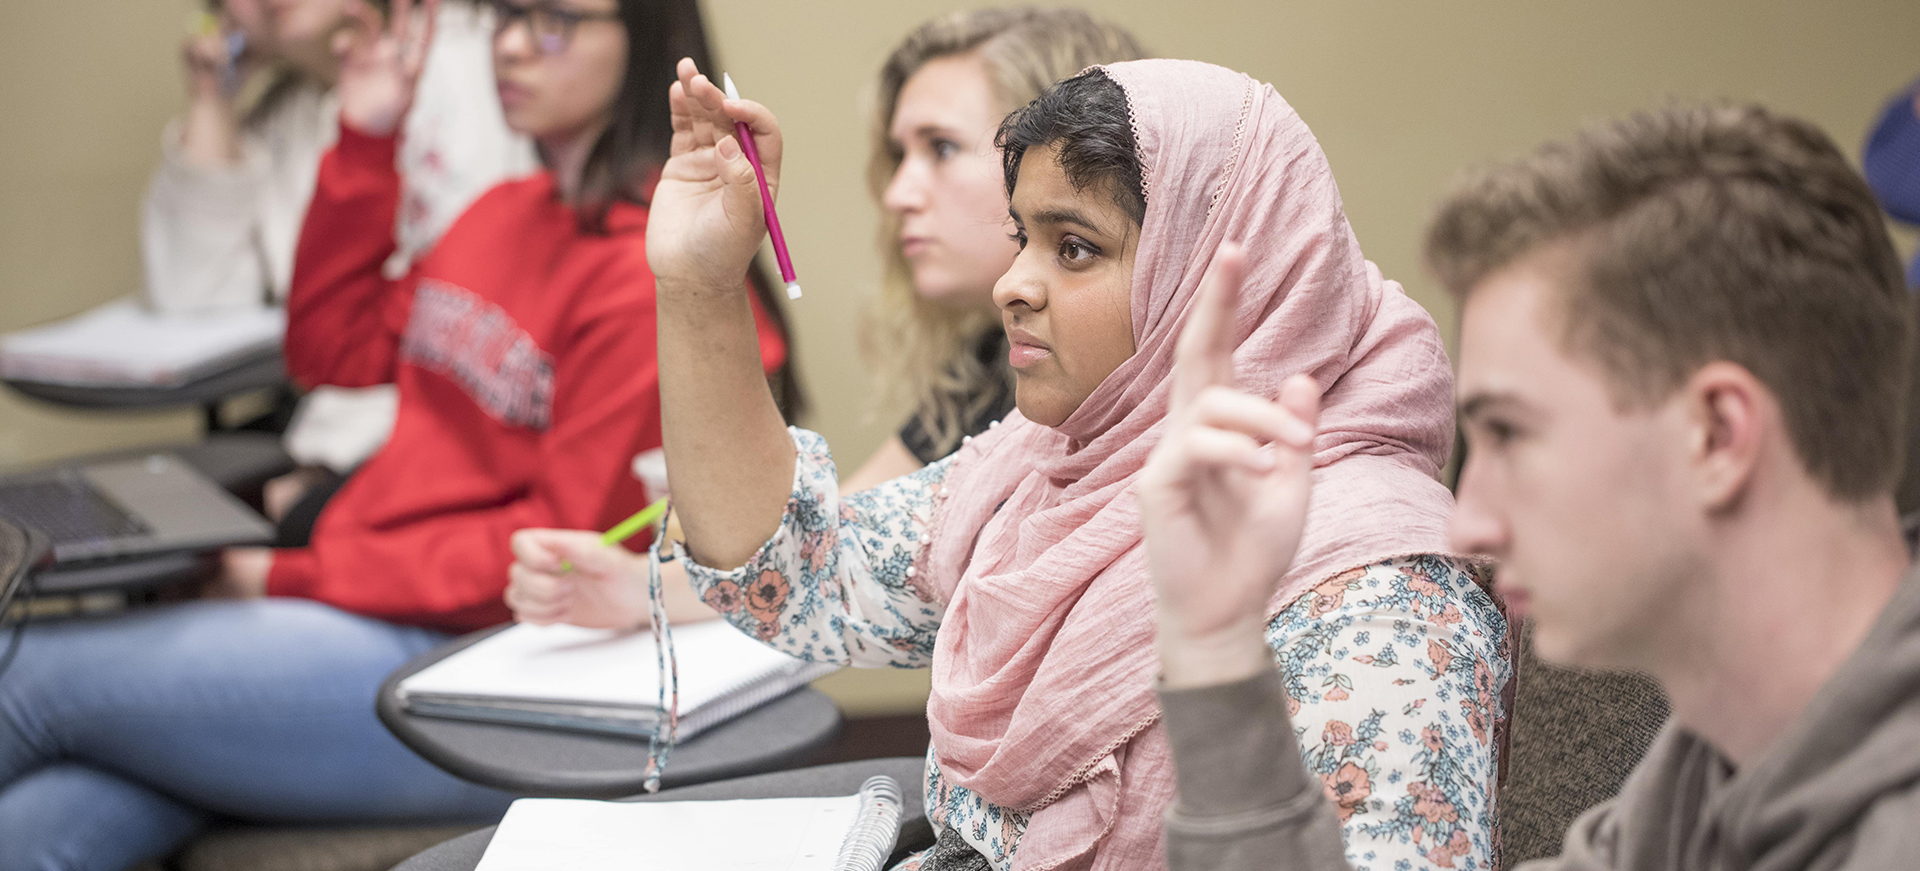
380, 62
1223, 498
210, 136
705, 220
205, 56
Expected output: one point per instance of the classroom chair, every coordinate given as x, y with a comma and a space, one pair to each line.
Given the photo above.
1576, 734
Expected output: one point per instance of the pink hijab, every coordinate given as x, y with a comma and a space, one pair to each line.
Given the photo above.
1044, 666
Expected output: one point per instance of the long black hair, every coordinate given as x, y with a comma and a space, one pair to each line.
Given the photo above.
639, 136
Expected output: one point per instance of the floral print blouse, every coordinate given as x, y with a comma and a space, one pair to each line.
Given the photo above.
1394, 671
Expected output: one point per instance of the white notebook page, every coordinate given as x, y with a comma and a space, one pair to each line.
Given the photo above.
600, 666
769, 834
122, 343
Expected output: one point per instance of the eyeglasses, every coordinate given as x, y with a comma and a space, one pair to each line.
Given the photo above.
551, 26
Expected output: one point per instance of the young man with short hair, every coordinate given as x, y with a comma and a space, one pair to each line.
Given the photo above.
1683, 367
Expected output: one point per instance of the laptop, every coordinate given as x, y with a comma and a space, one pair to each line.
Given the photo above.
135, 507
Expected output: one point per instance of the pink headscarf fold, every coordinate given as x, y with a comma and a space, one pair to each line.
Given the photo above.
1043, 670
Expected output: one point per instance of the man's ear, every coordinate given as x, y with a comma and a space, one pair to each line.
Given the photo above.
1729, 415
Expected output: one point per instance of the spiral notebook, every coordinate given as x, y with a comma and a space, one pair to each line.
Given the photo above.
599, 680
843, 833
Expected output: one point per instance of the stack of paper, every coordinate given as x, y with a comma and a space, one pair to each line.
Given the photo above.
124, 344
604, 681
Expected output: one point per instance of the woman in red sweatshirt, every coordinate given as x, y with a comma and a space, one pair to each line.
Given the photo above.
522, 346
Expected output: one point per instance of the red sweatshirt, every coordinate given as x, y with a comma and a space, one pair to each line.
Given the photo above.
523, 351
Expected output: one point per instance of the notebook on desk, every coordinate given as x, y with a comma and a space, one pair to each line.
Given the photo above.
599, 680
844, 833
123, 344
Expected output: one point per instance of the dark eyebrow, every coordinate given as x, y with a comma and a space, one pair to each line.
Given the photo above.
1060, 215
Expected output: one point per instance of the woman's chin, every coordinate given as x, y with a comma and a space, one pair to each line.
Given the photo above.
1040, 405
535, 127
517, 118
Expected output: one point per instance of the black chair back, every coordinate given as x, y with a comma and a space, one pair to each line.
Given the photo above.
1576, 735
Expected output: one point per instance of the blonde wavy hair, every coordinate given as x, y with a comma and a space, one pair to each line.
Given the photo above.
923, 350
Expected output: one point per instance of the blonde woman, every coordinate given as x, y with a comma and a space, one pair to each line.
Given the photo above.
934, 336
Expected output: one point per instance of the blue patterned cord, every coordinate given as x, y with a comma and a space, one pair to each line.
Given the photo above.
666, 726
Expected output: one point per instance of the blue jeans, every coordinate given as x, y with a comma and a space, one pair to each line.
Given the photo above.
120, 737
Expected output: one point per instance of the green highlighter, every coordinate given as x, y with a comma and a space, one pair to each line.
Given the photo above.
628, 528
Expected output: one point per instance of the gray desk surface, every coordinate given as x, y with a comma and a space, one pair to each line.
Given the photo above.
781, 734
254, 373
463, 853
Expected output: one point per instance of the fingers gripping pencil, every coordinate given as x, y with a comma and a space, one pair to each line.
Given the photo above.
627, 528
745, 136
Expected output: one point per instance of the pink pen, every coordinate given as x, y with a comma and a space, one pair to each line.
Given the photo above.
766, 196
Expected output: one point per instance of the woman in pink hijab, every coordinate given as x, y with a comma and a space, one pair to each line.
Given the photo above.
1015, 569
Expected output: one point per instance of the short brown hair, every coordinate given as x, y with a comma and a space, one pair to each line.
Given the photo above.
1713, 232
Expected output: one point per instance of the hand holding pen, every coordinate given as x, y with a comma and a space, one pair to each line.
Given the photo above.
766, 198
217, 63
581, 578
216, 58
708, 213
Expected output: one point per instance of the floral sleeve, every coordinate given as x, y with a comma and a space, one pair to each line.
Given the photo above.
1393, 674
835, 583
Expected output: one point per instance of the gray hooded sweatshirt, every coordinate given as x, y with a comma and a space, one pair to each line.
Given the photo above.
1839, 790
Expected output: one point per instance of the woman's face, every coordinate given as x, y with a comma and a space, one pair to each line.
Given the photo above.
948, 192
1066, 301
560, 83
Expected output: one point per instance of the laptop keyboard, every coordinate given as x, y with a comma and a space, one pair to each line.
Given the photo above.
67, 510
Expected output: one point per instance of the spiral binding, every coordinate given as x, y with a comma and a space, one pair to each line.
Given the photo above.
870, 839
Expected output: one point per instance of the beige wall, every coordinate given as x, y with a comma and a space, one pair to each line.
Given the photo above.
84, 89
1403, 94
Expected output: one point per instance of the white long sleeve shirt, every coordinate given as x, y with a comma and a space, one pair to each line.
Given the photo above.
223, 237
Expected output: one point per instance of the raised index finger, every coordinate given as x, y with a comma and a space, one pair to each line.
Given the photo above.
1204, 355
709, 105
699, 121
